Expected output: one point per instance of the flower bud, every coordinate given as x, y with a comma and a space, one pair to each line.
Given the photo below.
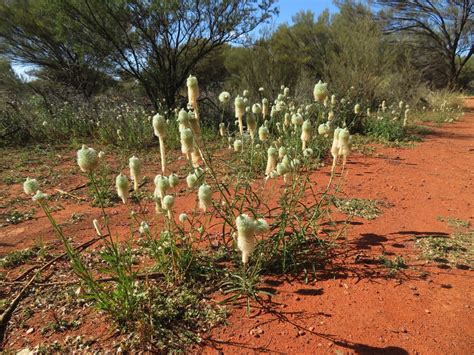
30, 186
224, 97
40, 197
238, 145
173, 180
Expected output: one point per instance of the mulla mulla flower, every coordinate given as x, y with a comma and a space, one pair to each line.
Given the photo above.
122, 186
357, 109
183, 217
320, 91
191, 180
252, 126
30, 186
265, 108
263, 133
333, 100
167, 203
87, 159
187, 142
284, 168
344, 144
335, 148
324, 129
247, 229
160, 127
306, 133
162, 184
193, 90
40, 197
271, 161
174, 180
257, 109
238, 145
240, 112
224, 97
296, 120
135, 170
183, 120
205, 197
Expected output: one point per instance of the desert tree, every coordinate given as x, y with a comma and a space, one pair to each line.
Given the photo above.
159, 43
32, 34
443, 31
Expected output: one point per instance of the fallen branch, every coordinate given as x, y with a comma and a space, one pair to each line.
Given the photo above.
62, 192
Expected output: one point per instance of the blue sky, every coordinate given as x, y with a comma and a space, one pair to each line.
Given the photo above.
288, 8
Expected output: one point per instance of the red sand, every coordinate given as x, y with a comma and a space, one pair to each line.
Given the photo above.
425, 309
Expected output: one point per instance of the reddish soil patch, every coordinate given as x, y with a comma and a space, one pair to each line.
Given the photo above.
354, 307
358, 309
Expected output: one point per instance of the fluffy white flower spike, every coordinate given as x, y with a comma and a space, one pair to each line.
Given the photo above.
344, 144
135, 171
183, 120
160, 127
238, 145
265, 108
162, 184
335, 148
239, 104
122, 185
320, 91
87, 159
306, 133
357, 109
205, 197
193, 90
247, 228
263, 133
187, 142
271, 161
167, 204
252, 126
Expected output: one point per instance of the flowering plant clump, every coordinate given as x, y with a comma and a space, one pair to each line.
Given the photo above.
234, 187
